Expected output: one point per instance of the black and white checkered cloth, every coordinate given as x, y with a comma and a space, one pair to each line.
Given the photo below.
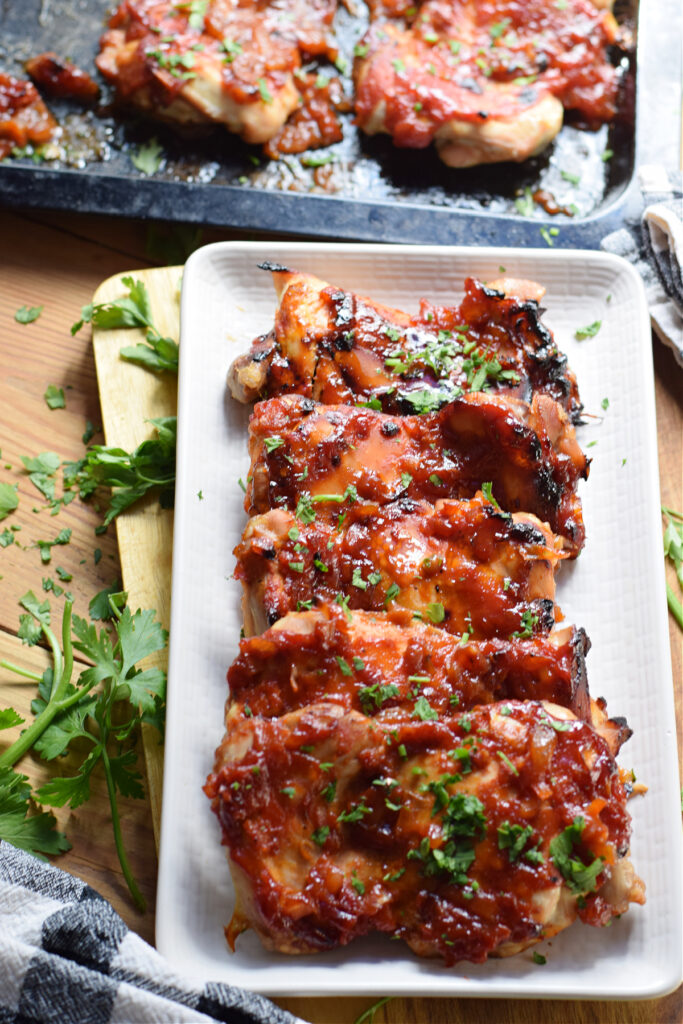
655, 247
66, 957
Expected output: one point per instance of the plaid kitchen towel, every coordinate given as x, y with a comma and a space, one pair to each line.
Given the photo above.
66, 957
655, 247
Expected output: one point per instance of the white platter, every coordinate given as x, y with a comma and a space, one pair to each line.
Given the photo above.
615, 589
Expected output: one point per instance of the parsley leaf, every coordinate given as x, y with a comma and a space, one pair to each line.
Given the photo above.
54, 397
9, 718
580, 877
436, 612
588, 332
27, 315
130, 475
148, 157
9, 499
133, 311
35, 833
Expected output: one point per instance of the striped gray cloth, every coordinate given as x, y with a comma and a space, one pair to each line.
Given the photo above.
655, 247
66, 957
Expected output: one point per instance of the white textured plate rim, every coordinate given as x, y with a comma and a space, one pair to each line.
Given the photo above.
428, 978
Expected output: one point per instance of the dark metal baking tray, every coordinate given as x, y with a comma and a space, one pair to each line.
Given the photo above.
382, 193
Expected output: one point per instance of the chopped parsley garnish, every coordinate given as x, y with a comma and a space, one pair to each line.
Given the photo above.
356, 813
289, 791
9, 499
344, 665
148, 158
330, 791
423, 401
435, 612
462, 824
320, 835
406, 479
513, 838
424, 711
54, 397
529, 621
26, 315
538, 958
580, 877
304, 509
357, 579
296, 566
573, 179
232, 49
264, 91
357, 883
272, 443
506, 761
344, 603
377, 694
588, 332
392, 592
487, 491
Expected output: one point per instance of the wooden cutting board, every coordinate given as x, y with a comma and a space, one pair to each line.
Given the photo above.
130, 396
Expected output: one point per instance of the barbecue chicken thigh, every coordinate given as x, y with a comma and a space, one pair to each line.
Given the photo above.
463, 564
466, 837
222, 61
485, 80
340, 348
387, 665
318, 460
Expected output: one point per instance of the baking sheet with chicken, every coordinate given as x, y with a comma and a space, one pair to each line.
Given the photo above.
323, 146
409, 702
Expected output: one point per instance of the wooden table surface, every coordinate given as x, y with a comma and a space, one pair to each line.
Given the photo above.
57, 261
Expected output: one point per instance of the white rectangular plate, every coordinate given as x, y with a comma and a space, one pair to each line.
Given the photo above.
615, 589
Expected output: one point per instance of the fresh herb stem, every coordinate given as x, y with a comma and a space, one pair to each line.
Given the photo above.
675, 606
138, 898
61, 677
26, 673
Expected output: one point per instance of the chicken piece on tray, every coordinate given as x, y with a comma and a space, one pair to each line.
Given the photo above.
466, 837
385, 663
462, 564
340, 348
224, 62
24, 118
486, 81
318, 460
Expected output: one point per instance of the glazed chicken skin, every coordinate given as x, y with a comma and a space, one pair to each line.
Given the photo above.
462, 564
466, 837
485, 80
388, 665
224, 62
382, 664
318, 460
340, 348
24, 118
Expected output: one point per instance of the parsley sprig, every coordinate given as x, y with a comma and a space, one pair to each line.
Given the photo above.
130, 475
133, 311
110, 699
